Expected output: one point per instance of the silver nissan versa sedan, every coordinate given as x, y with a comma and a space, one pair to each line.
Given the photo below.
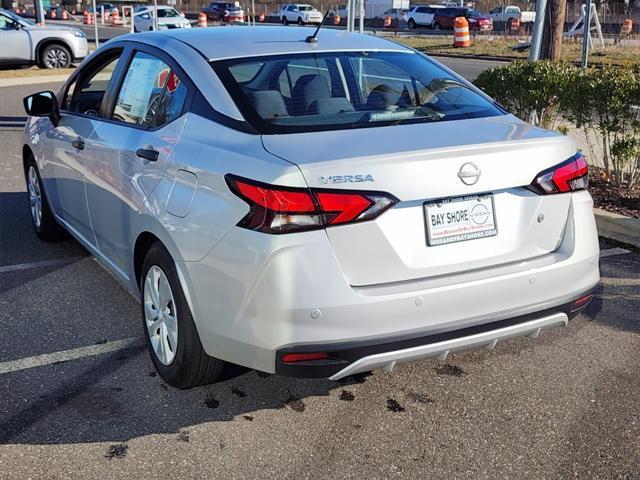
312, 207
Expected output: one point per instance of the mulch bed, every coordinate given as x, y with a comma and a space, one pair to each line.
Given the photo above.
611, 198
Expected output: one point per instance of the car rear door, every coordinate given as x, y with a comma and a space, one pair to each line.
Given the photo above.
130, 149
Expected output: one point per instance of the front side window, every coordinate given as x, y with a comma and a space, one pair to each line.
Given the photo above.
86, 94
151, 95
341, 90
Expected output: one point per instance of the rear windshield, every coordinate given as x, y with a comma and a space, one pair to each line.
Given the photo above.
341, 90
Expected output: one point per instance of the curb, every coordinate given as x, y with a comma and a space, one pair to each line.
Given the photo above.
618, 227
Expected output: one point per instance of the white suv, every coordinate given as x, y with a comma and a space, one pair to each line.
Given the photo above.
421, 15
300, 13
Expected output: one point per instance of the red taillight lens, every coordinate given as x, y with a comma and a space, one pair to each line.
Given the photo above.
276, 209
569, 176
304, 357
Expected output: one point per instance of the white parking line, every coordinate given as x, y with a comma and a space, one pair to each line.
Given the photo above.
613, 251
66, 355
41, 264
620, 282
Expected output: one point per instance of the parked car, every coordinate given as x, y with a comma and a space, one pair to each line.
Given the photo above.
299, 13
509, 13
22, 42
168, 18
444, 19
479, 21
398, 13
421, 16
309, 209
224, 12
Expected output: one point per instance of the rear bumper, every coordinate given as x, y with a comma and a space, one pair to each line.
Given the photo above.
355, 357
255, 297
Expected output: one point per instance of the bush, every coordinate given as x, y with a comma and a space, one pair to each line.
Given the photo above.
530, 90
604, 100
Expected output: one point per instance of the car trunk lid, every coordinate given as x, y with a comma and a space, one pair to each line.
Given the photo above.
422, 163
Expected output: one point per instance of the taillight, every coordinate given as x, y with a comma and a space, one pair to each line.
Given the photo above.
275, 209
569, 176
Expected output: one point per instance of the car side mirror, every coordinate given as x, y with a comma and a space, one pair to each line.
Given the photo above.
42, 104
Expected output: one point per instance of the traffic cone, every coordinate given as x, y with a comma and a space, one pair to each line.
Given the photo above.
115, 18
202, 20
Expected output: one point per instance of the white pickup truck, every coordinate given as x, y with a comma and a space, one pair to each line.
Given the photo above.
511, 12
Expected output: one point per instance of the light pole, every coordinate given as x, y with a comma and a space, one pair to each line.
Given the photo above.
95, 22
538, 28
586, 36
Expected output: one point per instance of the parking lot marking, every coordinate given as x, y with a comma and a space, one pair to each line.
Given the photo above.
622, 282
73, 354
41, 264
613, 251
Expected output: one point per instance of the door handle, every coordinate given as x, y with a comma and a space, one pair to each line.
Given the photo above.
148, 154
78, 144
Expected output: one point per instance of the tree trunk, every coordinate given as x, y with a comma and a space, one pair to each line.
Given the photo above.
553, 30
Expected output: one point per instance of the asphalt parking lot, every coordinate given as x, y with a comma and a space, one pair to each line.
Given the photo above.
566, 405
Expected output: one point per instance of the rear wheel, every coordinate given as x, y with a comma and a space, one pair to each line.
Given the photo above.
300, 21
44, 224
55, 56
412, 24
172, 337
285, 21
436, 26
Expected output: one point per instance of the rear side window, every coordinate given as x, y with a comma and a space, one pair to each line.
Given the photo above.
151, 95
342, 90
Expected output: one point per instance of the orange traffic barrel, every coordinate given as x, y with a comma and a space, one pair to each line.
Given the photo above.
387, 21
515, 25
53, 14
115, 18
336, 19
461, 37
202, 19
85, 16
627, 27
65, 15
261, 17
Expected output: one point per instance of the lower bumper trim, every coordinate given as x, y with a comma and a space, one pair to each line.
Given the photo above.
441, 350
348, 358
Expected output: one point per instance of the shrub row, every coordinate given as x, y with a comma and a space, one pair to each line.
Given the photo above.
602, 100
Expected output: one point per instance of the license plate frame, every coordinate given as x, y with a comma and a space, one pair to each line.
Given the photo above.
443, 239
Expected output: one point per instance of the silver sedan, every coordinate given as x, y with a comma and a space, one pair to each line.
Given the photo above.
312, 207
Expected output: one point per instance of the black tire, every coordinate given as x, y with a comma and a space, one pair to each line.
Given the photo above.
191, 366
55, 56
412, 24
436, 26
300, 21
48, 229
284, 20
